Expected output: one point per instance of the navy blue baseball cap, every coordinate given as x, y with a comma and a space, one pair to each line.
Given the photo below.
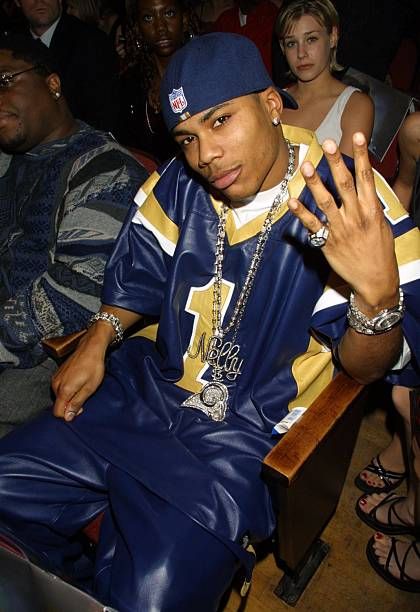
210, 70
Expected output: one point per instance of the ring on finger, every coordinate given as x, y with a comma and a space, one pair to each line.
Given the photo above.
318, 239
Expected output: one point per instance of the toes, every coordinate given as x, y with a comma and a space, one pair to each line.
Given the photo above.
368, 502
381, 546
369, 480
381, 540
403, 562
375, 483
362, 503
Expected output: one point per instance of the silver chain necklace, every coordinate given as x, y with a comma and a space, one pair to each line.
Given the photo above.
223, 357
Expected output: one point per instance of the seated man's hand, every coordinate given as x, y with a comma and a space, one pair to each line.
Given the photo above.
79, 377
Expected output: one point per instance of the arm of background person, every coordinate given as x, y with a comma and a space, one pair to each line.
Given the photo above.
409, 147
63, 298
358, 116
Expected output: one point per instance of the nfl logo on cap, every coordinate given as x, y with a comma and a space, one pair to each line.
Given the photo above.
177, 100
213, 68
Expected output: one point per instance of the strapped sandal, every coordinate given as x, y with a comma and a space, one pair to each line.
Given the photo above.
390, 527
391, 480
404, 582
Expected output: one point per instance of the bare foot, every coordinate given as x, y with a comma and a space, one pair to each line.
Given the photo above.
400, 514
392, 474
382, 546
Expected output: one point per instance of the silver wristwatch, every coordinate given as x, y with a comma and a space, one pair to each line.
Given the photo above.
384, 321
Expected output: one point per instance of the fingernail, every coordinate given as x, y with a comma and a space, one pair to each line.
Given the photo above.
69, 416
359, 138
378, 535
362, 502
293, 204
307, 170
329, 146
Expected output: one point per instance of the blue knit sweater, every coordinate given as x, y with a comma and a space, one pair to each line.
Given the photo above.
61, 208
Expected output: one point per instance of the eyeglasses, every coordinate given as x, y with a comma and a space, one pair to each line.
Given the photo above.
7, 78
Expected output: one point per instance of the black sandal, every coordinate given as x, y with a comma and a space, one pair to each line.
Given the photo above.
404, 582
389, 527
391, 479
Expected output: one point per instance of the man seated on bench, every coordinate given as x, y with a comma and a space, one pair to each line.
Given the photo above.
251, 288
65, 189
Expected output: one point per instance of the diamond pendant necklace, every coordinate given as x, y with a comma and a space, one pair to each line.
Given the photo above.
213, 398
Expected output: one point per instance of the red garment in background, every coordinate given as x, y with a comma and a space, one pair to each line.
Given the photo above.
259, 27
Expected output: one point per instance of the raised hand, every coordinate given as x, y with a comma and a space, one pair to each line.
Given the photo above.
360, 246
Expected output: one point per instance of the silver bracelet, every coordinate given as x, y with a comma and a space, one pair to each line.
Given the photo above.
112, 320
384, 321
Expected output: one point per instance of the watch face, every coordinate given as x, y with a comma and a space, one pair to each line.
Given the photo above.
387, 321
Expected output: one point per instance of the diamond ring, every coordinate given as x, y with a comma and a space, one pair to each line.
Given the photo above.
319, 238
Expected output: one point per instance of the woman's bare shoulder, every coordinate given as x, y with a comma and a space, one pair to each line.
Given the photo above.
360, 100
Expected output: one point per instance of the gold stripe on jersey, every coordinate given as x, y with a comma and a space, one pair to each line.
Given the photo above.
152, 211
149, 332
407, 247
314, 154
393, 209
312, 371
149, 184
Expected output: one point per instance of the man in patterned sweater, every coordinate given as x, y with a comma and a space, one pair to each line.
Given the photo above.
64, 191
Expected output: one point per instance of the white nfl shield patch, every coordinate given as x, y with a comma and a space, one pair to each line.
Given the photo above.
177, 100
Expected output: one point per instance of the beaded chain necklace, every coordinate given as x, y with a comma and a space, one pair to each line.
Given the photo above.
213, 398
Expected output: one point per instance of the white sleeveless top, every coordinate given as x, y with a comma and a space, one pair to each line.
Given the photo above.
331, 125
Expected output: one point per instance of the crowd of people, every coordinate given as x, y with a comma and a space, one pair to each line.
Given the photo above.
111, 74
264, 215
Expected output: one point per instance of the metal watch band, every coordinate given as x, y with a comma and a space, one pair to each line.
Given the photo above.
112, 320
384, 321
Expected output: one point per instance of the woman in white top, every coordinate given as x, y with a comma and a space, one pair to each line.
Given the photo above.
307, 31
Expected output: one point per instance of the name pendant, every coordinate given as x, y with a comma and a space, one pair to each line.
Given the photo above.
223, 357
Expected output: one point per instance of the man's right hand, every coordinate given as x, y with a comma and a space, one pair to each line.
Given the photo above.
79, 377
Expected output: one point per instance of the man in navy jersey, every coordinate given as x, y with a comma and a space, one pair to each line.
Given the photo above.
261, 285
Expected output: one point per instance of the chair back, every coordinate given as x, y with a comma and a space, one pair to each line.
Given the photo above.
146, 159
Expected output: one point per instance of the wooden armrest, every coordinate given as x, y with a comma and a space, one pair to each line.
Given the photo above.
59, 347
307, 468
287, 458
